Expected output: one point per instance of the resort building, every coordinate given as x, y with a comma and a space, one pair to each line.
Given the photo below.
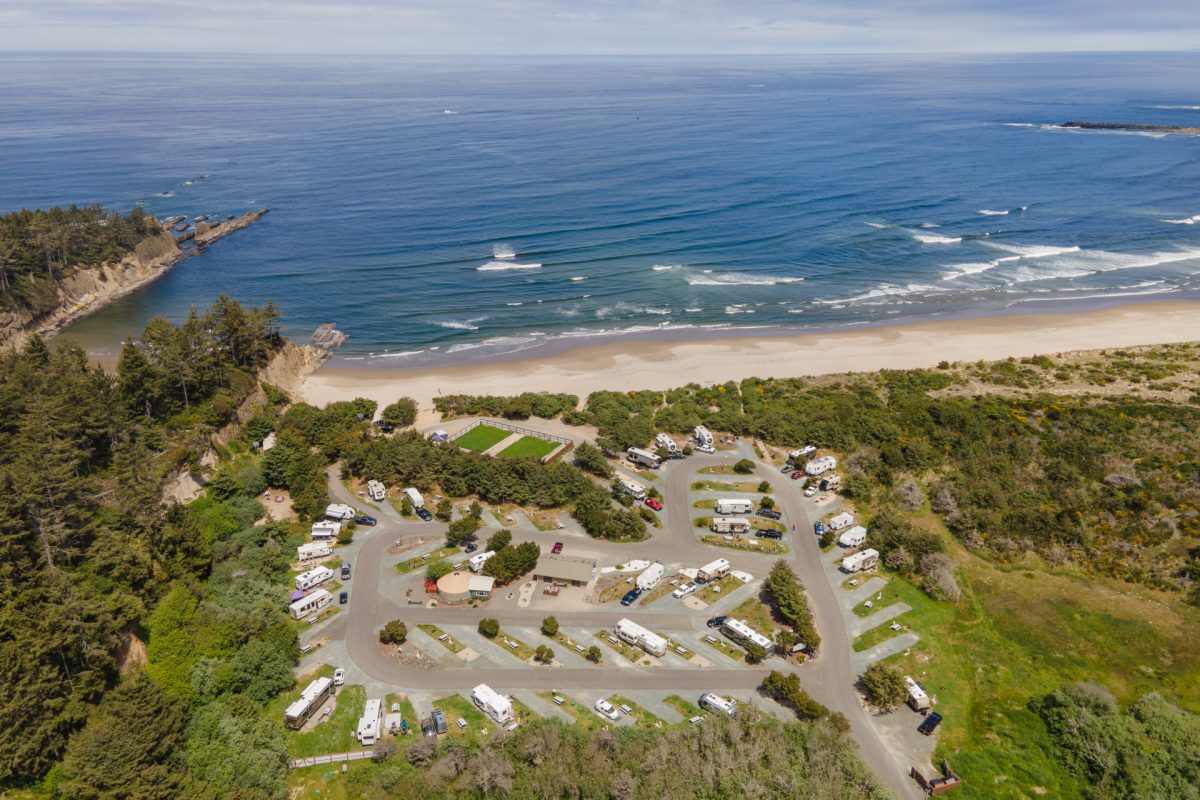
564, 569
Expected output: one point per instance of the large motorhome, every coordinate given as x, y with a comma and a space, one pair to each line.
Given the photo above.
857, 562
311, 603
490, 702
326, 530
651, 576
376, 491
702, 436
643, 457
370, 724
796, 455
311, 550
728, 505
635, 634
414, 497
339, 512
740, 631
819, 465
736, 525
665, 442
311, 699
634, 489
314, 577
713, 571
718, 704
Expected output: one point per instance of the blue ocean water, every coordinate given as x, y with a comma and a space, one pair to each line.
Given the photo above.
450, 209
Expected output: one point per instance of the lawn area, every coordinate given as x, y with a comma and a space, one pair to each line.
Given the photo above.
688, 710
768, 546
334, 734
508, 642
456, 706
528, 446
481, 438
615, 591
322, 782
664, 588
640, 716
876, 635
419, 562
687, 653
757, 615
712, 592
570, 644
749, 487
717, 642
631, 653
583, 715
721, 469
406, 710
451, 644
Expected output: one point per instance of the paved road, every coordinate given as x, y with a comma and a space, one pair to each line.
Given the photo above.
829, 678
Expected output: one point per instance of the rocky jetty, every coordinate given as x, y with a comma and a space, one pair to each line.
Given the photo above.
1131, 126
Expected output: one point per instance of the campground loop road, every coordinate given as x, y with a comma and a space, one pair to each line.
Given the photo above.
829, 678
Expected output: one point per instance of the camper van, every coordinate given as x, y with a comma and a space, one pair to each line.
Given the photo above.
311, 699
326, 530
312, 550
314, 577
853, 537
702, 436
737, 525
370, 724
842, 520
311, 603
376, 491
490, 702
733, 506
643, 457
820, 465
414, 497
665, 442
339, 512
713, 571
857, 562
633, 489
718, 704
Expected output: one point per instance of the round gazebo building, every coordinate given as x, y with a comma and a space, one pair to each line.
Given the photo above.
454, 587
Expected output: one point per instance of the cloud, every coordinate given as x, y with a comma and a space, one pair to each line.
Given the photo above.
597, 27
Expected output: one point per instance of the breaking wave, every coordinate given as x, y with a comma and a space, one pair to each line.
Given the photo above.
738, 279
497, 266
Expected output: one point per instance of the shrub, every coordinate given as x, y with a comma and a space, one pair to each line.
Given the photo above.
885, 686
744, 467
940, 583
543, 654
401, 413
786, 689
764, 486
499, 540
444, 509
550, 627
489, 627
438, 569
787, 597
593, 654
462, 529
755, 653
394, 632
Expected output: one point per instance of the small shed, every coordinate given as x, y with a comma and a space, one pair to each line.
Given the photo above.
481, 586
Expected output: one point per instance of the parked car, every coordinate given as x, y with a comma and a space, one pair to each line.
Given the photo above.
385, 426
558, 546
471, 547
343, 598
424, 514
339, 676
364, 519
716, 622
630, 596
786, 468
769, 534
705, 448
685, 589
606, 708
819, 528
769, 513
654, 503
798, 474
930, 723
810, 491
677, 454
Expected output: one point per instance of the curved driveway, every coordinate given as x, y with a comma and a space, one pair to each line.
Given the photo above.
829, 677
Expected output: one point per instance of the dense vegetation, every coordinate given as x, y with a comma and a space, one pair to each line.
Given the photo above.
86, 546
786, 596
522, 406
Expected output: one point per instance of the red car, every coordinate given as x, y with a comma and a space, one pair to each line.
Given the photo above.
798, 474
654, 503
557, 548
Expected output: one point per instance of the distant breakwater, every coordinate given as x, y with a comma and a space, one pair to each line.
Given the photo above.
1132, 126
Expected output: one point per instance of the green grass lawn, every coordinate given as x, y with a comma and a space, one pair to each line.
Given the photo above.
455, 707
688, 710
420, 562
570, 644
725, 646
746, 487
757, 615
583, 715
688, 653
520, 650
663, 588
717, 470
406, 710
768, 546
631, 653
334, 734
712, 592
529, 446
642, 718
481, 438
451, 644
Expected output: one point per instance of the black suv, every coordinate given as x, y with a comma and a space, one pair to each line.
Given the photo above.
769, 513
930, 722
716, 621
770, 534
424, 514
363, 519
630, 596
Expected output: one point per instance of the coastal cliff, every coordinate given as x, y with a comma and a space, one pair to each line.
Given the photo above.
89, 289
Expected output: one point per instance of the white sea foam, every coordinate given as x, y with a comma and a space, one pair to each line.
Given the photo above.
579, 278
961, 270
887, 290
930, 225
449, 112
658, 311
463, 325
927, 238
665, 267
879, 225
1034, 250
739, 279
738, 309
503, 251
693, 310
1179, 108
1184, 221
401, 354
497, 266
518, 303
987, 212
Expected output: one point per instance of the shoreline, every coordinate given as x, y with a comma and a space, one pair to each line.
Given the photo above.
666, 364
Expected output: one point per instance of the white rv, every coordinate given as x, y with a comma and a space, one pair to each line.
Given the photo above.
738, 525
376, 491
713, 571
803, 452
853, 537
733, 506
370, 724
857, 562
702, 436
718, 704
918, 698
490, 702
819, 465
339, 512
477, 561
740, 631
635, 634
634, 489
326, 530
314, 577
311, 603
311, 550
311, 699
665, 442
842, 520
414, 497
643, 457
651, 576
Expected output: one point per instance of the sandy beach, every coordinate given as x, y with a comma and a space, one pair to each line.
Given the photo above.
664, 365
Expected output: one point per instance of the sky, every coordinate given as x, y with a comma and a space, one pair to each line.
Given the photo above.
597, 27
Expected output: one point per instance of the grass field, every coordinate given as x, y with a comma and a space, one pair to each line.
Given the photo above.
481, 438
518, 648
769, 546
757, 615
583, 715
455, 707
712, 592
334, 734
420, 562
641, 717
451, 644
687, 709
748, 487
529, 446
631, 653
725, 646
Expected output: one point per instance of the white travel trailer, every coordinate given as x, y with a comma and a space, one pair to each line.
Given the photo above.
339, 512
718, 704
857, 562
414, 497
803, 452
477, 561
311, 699
326, 530
819, 465
713, 571
733, 506
665, 442
853, 537
651, 576
738, 525
740, 631
918, 698
634, 489
842, 520
635, 634
702, 436
311, 603
490, 702
376, 491
314, 577
311, 550
370, 724
643, 457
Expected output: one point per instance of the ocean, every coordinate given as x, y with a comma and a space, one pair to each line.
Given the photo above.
461, 209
